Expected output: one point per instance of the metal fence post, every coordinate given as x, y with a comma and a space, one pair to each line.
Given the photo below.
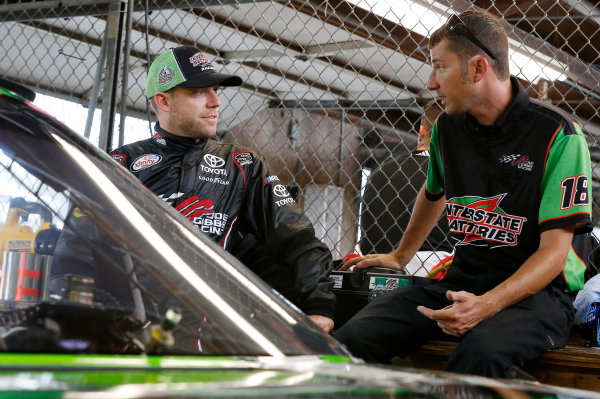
96, 89
114, 29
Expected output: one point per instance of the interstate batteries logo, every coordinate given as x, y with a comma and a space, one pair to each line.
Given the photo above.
481, 221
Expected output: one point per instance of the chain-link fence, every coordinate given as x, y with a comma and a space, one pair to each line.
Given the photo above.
333, 91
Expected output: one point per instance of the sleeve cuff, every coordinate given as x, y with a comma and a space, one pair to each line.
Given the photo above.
321, 307
433, 197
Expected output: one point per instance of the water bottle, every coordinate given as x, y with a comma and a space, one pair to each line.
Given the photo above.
591, 330
380, 288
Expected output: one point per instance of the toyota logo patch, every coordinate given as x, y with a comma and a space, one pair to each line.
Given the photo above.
280, 191
214, 161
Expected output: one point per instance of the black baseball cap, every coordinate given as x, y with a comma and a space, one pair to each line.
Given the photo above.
185, 66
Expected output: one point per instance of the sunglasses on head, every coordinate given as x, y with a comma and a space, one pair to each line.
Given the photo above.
457, 26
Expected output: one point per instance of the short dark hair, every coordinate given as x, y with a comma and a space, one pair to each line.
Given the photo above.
488, 29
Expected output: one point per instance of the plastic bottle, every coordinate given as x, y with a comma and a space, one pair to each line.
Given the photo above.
161, 335
591, 329
380, 288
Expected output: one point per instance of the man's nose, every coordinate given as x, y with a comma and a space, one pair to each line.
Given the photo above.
432, 83
213, 99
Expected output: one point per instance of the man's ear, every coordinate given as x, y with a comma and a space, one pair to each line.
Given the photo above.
162, 101
480, 67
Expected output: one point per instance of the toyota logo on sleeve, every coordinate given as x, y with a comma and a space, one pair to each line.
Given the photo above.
214, 161
280, 191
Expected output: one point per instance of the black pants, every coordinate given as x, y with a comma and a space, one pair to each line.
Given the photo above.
391, 325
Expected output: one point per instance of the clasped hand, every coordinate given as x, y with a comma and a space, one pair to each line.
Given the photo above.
466, 312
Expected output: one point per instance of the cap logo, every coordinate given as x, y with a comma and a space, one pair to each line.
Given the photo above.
166, 75
199, 59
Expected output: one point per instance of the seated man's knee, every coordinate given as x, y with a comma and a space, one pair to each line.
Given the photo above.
357, 335
350, 331
478, 355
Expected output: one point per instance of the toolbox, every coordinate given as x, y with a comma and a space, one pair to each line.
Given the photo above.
352, 289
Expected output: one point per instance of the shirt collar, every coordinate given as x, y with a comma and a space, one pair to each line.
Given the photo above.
510, 116
516, 107
164, 138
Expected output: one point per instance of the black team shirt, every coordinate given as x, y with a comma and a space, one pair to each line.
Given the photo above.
506, 184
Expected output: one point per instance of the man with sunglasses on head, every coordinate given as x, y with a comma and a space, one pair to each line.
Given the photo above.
513, 176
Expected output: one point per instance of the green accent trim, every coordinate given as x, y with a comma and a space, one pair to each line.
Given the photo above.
435, 169
165, 60
69, 361
33, 395
335, 359
466, 201
568, 157
11, 94
56, 374
568, 160
574, 271
14, 361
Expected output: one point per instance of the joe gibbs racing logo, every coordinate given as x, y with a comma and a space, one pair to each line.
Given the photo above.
201, 213
481, 219
193, 207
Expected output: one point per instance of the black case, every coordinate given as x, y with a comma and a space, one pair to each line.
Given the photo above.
352, 289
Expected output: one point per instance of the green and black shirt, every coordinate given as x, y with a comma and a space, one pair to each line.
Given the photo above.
507, 183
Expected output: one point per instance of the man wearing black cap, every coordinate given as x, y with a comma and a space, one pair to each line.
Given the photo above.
226, 190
